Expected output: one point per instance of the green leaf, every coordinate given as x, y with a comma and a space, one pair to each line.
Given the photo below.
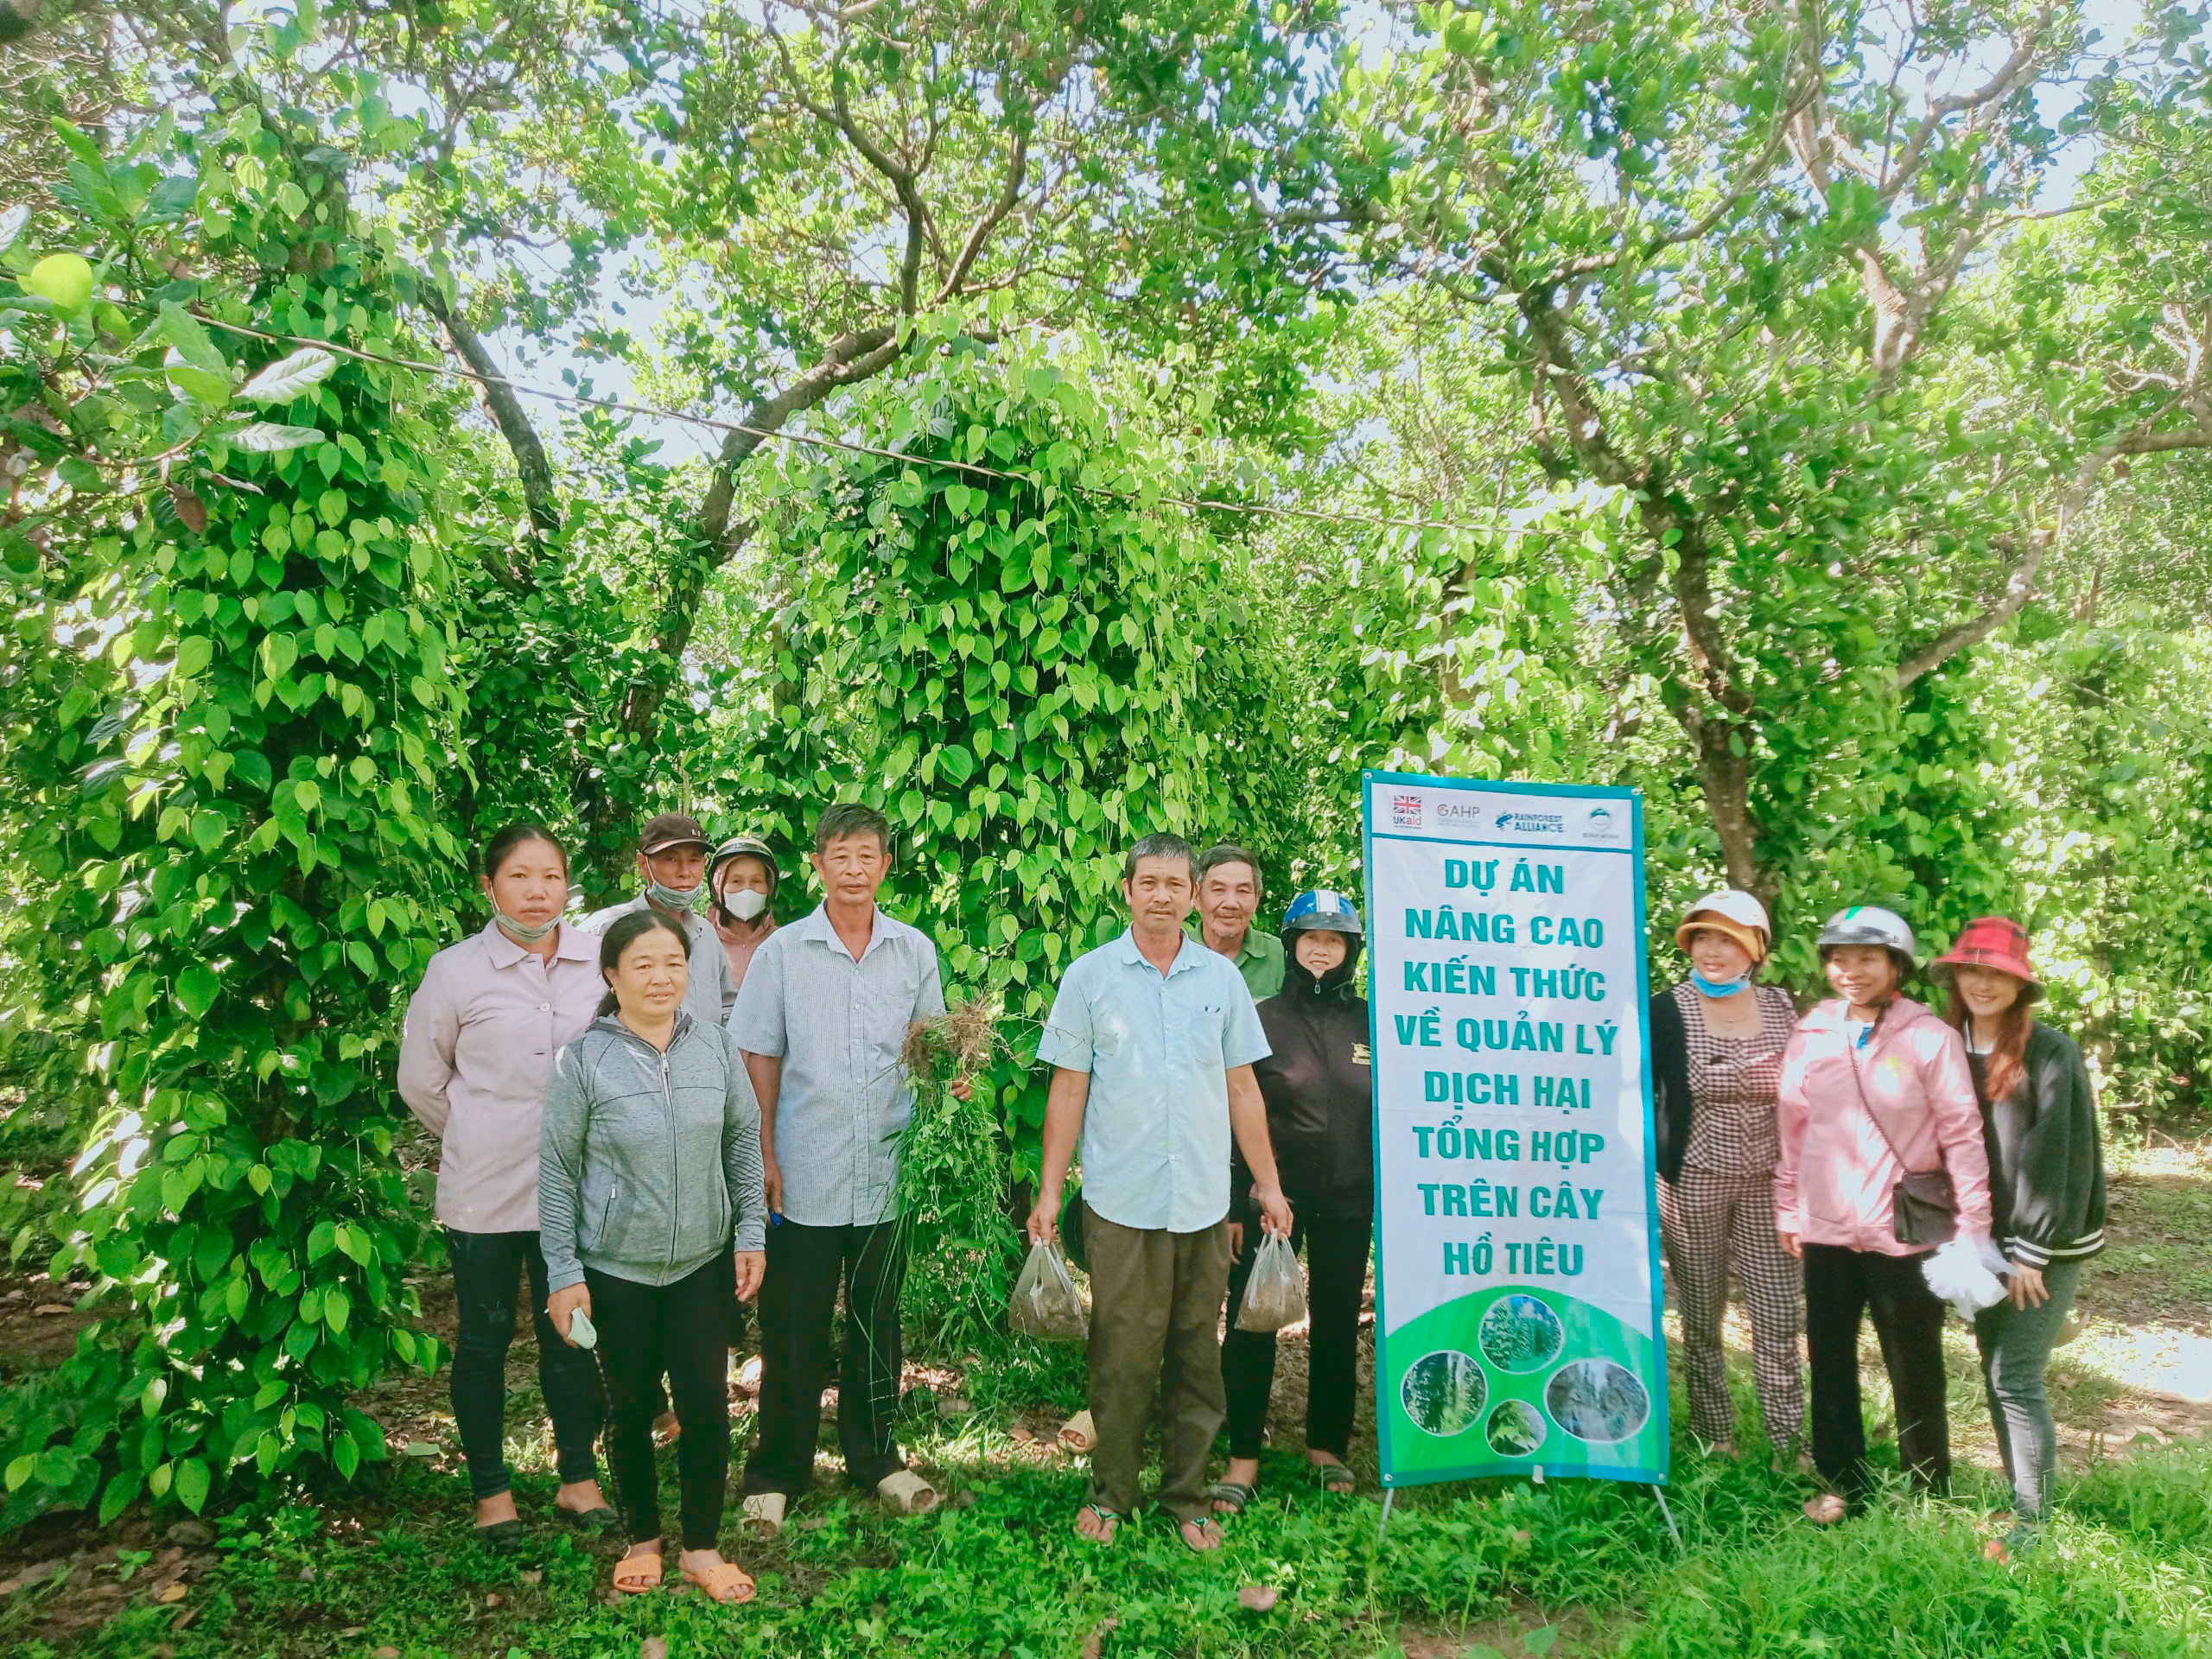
197, 990
270, 437
183, 330
192, 1484
287, 378
337, 1305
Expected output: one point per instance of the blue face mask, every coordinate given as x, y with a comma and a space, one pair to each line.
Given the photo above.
1720, 988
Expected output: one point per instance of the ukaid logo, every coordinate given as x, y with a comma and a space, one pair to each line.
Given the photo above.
1405, 812
1537, 823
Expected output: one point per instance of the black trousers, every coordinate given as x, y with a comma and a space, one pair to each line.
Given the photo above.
681, 1330
487, 1268
1335, 1276
1841, 1286
798, 1304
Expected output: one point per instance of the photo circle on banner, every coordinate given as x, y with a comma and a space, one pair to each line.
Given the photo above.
1515, 1430
1444, 1392
1520, 1333
1597, 1401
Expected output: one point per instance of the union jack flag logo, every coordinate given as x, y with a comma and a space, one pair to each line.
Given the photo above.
1405, 812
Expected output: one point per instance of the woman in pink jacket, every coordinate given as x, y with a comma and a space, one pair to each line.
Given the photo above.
1875, 1088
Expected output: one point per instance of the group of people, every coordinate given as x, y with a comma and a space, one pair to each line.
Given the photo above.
1820, 1160
677, 1107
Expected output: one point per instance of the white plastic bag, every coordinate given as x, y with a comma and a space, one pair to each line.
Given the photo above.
1045, 1303
1275, 1293
1964, 1273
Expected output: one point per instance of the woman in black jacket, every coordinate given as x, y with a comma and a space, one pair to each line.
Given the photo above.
1717, 1040
1318, 1085
2047, 1190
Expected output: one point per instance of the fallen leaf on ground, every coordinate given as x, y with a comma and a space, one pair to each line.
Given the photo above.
49, 1309
173, 1592
387, 1653
1097, 1639
1258, 1598
30, 1575
654, 1647
495, 1599
533, 1576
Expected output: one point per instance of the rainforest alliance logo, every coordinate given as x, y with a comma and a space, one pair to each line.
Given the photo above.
1533, 824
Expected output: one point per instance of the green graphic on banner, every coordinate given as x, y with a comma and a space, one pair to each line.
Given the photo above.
1517, 1284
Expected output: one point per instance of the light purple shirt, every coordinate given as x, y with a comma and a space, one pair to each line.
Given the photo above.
481, 1035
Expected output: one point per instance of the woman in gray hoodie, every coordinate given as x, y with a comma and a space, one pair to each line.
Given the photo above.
649, 1176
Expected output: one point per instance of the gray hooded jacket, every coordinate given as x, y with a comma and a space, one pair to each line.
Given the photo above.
649, 1164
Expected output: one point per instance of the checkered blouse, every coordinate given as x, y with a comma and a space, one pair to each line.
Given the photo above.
1732, 1083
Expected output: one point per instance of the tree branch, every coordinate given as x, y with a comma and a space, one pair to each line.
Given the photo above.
532, 464
1017, 171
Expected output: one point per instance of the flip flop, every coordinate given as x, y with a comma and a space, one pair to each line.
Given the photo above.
1113, 1519
1233, 1493
501, 1537
592, 1520
725, 1583
1336, 1478
635, 1575
1202, 1523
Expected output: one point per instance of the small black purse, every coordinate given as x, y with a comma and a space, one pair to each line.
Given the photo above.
1923, 1206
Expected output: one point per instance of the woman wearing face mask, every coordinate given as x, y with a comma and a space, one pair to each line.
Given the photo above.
1881, 1161
742, 876
480, 1039
2047, 1178
1717, 1041
1318, 1085
649, 1176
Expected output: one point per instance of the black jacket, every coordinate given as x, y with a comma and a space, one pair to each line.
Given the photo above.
1670, 1084
2046, 1165
1318, 1084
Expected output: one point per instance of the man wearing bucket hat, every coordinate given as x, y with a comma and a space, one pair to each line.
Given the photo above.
1717, 1041
2047, 1190
742, 878
1881, 1161
673, 868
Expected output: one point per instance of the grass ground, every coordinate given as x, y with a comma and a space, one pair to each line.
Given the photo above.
1493, 1568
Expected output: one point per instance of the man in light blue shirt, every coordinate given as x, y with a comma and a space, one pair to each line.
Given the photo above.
1152, 1040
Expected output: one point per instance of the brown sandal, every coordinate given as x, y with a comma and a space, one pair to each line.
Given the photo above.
725, 1583
638, 1575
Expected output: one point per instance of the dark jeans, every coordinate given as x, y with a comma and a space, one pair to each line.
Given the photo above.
1841, 1286
798, 1306
1155, 1319
2015, 1344
682, 1332
1336, 1277
486, 1269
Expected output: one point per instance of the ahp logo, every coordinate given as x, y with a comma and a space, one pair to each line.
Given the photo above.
1405, 812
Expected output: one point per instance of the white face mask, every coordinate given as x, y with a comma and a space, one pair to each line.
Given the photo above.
745, 904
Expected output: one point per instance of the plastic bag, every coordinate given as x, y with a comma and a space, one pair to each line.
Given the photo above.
1046, 1304
1275, 1293
1964, 1273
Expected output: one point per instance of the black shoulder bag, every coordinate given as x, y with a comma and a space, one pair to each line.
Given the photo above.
1923, 1206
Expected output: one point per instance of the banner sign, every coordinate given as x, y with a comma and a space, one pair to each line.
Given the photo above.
1517, 1287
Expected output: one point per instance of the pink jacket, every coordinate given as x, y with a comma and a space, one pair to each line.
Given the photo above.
1832, 1183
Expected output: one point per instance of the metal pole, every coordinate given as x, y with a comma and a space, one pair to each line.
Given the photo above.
1681, 1546
1390, 1497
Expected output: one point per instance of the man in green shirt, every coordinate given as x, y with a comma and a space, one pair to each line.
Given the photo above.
1229, 898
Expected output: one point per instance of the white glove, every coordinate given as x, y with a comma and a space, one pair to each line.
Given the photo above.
1964, 1273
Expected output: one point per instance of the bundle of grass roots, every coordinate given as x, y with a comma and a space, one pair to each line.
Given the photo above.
952, 1181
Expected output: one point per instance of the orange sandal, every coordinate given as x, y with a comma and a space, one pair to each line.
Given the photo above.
636, 1575
725, 1582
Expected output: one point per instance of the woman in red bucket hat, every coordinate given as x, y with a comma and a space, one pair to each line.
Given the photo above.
2047, 1181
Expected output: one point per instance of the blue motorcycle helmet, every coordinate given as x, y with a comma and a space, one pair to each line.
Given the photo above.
1321, 910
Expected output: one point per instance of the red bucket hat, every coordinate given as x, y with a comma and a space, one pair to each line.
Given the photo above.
1995, 942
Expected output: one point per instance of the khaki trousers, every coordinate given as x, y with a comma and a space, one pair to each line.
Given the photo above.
1155, 1312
